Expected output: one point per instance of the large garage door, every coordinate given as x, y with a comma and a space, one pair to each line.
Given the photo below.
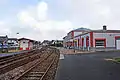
118, 44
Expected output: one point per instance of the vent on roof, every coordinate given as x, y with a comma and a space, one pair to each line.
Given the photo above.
104, 27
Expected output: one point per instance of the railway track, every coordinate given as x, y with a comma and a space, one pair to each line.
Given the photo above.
15, 57
17, 61
28, 67
39, 71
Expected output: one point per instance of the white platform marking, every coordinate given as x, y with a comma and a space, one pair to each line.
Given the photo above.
62, 56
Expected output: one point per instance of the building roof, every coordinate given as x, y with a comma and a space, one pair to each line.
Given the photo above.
107, 31
101, 31
3, 38
25, 39
81, 29
12, 39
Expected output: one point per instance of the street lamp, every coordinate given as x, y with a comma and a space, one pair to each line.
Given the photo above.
17, 41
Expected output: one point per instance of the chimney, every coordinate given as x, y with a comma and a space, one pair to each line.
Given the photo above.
104, 27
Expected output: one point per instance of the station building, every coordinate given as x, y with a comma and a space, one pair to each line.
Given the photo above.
26, 44
70, 41
96, 40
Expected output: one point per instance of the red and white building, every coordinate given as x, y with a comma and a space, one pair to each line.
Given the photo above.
70, 41
26, 44
96, 40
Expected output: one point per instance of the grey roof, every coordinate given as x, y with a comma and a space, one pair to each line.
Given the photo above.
107, 31
12, 39
46, 41
3, 38
82, 29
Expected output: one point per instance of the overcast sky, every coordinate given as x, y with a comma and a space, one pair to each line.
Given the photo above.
53, 19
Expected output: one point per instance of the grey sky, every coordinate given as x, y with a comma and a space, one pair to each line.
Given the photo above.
52, 19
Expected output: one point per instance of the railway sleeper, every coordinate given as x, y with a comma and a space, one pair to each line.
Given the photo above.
33, 76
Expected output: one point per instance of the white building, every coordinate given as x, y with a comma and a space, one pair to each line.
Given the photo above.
98, 40
13, 43
25, 44
70, 41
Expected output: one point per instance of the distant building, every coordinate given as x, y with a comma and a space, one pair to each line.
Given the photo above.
26, 44
57, 43
46, 42
13, 43
3, 43
36, 44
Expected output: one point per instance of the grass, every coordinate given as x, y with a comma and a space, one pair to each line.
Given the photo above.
117, 59
10, 51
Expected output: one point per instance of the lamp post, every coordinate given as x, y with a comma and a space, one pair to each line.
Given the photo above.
17, 47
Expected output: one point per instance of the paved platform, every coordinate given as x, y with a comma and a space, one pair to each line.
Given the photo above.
9, 54
88, 67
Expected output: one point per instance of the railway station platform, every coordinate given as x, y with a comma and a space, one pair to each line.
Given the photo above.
7, 54
12, 53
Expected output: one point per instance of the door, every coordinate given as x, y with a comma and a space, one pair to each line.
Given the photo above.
118, 44
24, 45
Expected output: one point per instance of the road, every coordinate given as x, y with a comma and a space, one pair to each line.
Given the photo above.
89, 67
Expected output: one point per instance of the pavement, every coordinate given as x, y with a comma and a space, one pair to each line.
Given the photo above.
92, 66
12, 53
8, 54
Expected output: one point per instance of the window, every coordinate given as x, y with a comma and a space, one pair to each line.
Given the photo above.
100, 43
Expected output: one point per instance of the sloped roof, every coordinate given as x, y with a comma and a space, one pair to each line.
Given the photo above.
25, 39
12, 39
3, 38
80, 29
107, 31
84, 29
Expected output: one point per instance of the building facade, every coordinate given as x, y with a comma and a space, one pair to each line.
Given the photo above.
70, 41
98, 40
4, 43
26, 44
13, 43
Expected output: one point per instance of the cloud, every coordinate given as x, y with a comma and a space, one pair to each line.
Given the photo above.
85, 13
4, 28
53, 19
94, 13
46, 29
42, 8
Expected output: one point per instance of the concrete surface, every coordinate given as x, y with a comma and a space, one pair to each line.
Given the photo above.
88, 67
8, 54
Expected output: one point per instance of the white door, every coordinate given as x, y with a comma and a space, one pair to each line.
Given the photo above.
118, 44
25, 45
